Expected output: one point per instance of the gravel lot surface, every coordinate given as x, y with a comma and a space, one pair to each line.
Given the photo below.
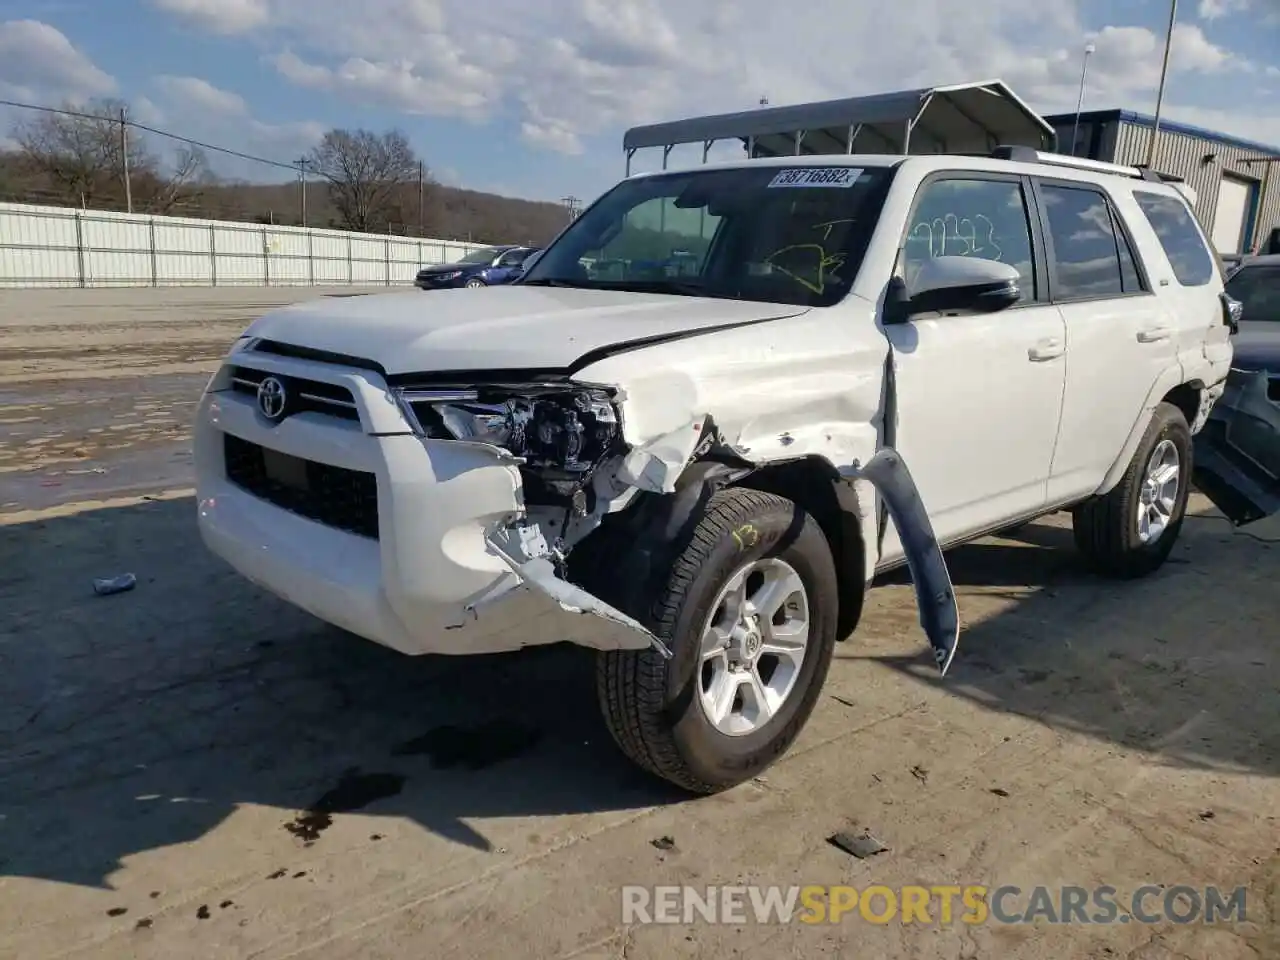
194, 769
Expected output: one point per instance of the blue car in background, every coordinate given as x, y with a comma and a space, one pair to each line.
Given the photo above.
485, 267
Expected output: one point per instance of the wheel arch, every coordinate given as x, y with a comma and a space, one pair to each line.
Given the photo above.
1171, 387
813, 483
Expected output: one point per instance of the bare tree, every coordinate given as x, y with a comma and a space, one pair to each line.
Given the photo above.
183, 184
81, 152
367, 174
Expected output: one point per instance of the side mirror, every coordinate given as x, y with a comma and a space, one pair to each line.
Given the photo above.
956, 285
1232, 311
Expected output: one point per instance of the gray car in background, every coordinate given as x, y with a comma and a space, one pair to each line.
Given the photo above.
1235, 453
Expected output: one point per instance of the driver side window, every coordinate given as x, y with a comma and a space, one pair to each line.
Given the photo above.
971, 217
512, 258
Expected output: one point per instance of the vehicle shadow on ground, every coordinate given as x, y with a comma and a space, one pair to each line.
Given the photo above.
142, 720
1181, 665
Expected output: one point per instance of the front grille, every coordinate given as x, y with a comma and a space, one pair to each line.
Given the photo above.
335, 496
304, 395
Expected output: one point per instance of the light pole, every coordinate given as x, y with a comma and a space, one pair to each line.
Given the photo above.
1084, 72
1164, 75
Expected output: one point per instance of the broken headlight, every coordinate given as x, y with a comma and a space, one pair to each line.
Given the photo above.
559, 428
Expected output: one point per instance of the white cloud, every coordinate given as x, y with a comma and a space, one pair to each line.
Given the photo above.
567, 72
203, 95
451, 88
38, 63
218, 16
212, 115
1260, 128
1214, 9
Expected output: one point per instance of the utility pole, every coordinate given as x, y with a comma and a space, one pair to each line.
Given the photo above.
1084, 72
301, 163
571, 205
124, 160
422, 199
1164, 76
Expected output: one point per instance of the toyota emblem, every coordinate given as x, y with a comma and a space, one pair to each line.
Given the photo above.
272, 398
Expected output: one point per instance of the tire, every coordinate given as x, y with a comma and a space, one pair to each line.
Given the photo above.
475, 282
654, 707
1108, 528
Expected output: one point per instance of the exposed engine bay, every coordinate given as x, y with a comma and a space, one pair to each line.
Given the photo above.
563, 433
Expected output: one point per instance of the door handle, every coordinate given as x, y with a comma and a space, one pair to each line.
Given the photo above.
1154, 334
1049, 348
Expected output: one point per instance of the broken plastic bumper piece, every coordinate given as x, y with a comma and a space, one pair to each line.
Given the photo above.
587, 620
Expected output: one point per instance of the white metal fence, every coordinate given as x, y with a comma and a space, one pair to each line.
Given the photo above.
66, 247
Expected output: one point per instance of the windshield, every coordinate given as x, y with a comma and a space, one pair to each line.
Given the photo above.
483, 255
777, 234
1258, 288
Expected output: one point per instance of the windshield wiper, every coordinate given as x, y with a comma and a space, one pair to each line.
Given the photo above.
555, 282
686, 288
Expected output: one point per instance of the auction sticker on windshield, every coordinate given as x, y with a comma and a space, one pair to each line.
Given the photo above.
816, 177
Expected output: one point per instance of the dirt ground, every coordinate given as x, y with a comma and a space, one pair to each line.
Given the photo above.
194, 769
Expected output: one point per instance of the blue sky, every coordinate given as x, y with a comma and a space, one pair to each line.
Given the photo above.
516, 98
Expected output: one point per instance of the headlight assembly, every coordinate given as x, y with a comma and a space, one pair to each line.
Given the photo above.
566, 428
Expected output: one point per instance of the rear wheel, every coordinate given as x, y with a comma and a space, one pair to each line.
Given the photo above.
749, 612
1129, 532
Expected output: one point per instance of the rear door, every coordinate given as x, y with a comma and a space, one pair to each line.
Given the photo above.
1121, 337
1197, 275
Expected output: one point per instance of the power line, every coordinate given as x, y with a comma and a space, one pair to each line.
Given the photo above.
153, 130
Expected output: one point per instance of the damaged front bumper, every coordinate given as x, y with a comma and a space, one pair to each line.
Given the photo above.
1237, 453
430, 582
459, 567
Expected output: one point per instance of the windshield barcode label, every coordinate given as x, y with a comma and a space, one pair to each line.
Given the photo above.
816, 177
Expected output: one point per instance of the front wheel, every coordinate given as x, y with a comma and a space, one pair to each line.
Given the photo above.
1129, 531
749, 612
475, 282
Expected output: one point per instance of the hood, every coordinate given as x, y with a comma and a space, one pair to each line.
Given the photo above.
450, 268
502, 328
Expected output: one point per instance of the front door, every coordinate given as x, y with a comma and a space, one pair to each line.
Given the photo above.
977, 397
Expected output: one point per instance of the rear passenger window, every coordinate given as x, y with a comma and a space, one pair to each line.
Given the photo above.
1092, 260
1174, 224
965, 217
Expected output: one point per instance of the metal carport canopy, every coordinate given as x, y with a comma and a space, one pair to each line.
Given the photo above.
965, 118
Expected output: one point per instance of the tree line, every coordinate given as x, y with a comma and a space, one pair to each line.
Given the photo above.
90, 156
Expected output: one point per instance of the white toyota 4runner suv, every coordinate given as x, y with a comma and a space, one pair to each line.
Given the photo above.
681, 437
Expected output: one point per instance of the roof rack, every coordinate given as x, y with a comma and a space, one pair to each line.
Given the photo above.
1030, 155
